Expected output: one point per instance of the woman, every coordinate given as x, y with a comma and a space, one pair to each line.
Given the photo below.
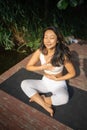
54, 56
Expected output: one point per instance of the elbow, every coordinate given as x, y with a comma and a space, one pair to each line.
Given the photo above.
27, 67
73, 74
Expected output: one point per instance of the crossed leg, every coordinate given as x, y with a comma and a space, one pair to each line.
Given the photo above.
38, 99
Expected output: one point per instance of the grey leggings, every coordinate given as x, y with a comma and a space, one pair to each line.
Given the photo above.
57, 88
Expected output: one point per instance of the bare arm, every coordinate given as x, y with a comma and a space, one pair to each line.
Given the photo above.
34, 60
70, 73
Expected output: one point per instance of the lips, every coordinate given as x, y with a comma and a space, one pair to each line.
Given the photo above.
48, 44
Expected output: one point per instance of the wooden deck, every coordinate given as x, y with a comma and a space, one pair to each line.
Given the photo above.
16, 115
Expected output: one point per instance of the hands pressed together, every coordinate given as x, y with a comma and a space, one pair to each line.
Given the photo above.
53, 77
49, 67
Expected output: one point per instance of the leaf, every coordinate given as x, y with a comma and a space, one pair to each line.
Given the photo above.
73, 3
62, 4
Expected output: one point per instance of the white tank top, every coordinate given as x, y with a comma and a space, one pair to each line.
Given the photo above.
56, 70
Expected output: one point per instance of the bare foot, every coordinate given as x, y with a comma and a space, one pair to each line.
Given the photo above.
46, 106
50, 110
46, 100
31, 100
43, 97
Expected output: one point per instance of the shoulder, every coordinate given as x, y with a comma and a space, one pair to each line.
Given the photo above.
66, 59
37, 52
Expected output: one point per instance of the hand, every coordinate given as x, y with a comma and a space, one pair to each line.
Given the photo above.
47, 67
53, 77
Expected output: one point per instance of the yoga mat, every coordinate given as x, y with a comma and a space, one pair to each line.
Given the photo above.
72, 114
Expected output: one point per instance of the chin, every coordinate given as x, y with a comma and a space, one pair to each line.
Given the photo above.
50, 47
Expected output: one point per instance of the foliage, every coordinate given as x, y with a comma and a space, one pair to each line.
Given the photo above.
63, 4
5, 39
17, 30
22, 22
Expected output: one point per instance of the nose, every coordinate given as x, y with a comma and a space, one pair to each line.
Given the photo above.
48, 39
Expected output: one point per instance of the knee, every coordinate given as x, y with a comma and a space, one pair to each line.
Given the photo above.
65, 99
23, 84
60, 100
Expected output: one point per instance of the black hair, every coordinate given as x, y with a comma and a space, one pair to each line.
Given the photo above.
61, 53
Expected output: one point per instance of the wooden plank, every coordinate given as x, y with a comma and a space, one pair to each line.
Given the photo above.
16, 115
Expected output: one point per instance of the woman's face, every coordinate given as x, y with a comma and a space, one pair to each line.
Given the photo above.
50, 39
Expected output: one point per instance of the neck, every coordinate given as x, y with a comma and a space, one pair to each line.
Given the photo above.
51, 51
